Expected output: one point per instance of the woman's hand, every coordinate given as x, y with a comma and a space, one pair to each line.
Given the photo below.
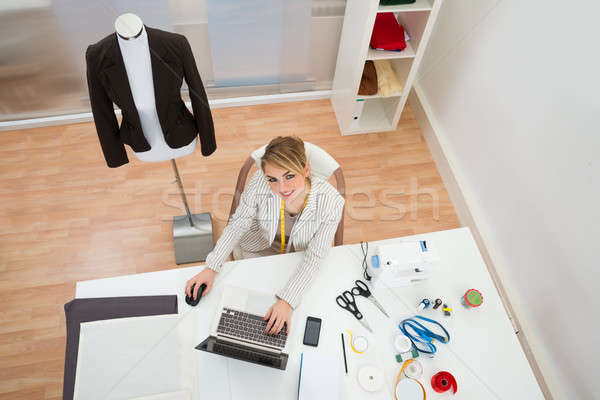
279, 314
206, 276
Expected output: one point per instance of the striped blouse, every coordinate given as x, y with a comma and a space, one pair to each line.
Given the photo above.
255, 222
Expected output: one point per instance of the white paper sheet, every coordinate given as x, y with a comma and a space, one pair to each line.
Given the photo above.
135, 357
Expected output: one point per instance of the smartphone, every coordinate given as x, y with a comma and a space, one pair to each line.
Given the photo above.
312, 331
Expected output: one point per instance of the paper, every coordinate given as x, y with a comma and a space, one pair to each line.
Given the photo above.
319, 377
136, 357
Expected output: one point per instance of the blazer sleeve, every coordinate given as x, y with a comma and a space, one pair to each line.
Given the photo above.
107, 126
317, 250
239, 224
202, 114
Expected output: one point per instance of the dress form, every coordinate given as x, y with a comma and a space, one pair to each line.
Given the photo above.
133, 43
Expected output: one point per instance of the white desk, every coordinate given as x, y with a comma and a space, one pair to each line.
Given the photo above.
483, 354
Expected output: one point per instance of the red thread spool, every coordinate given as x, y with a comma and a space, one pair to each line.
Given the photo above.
443, 381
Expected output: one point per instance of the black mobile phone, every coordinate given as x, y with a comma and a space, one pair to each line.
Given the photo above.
312, 331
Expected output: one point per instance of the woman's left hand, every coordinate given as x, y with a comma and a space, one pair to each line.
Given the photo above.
279, 314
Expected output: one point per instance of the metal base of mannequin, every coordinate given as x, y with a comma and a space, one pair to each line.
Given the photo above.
192, 243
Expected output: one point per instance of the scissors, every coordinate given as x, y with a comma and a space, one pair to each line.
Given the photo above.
361, 289
347, 302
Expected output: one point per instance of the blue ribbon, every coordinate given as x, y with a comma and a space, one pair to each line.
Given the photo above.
423, 335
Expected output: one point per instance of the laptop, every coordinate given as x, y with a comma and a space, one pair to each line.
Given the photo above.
238, 330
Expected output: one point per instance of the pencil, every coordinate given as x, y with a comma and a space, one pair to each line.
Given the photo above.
344, 351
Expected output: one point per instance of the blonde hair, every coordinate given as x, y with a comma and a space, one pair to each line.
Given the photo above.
286, 152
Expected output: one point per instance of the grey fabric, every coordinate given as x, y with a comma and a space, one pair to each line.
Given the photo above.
96, 309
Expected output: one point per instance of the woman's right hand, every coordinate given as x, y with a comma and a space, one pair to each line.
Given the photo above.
206, 276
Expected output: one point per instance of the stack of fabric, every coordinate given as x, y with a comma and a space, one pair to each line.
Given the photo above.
388, 34
379, 78
82, 314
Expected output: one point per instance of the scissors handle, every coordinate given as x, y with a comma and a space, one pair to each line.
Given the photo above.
361, 289
347, 302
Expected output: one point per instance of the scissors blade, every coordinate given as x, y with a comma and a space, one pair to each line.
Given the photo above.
365, 324
378, 305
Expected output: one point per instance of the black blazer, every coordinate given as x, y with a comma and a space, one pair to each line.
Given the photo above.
172, 60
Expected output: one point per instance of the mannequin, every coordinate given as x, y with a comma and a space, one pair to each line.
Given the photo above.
133, 42
141, 70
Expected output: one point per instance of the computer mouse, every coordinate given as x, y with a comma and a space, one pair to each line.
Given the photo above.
190, 300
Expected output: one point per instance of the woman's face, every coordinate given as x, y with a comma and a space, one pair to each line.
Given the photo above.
285, 183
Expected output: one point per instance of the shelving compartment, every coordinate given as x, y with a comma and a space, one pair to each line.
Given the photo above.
414, 23
401, 68
377, 115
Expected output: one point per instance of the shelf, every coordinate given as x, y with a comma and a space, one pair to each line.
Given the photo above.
377, 96
383, 54
419, 5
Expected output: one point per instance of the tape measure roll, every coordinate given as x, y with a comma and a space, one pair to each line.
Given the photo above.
358, 344
370, 378
443, 381
414, 370
407, 391
402, 344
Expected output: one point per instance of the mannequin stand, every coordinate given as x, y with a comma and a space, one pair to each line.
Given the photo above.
192, 233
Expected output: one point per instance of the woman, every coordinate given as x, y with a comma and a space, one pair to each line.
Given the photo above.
312, 211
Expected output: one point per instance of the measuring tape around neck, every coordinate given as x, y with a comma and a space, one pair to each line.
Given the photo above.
282, 219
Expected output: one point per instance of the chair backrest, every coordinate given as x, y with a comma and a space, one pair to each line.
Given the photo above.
322, 165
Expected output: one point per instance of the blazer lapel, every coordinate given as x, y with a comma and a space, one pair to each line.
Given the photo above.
160, 68
274, 204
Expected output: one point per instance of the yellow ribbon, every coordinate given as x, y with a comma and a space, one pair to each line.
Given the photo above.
352, 343
400, 374
282, 219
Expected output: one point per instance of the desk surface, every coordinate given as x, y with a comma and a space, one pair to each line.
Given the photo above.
484, 353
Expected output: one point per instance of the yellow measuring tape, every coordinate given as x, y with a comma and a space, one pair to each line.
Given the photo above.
282, 219
406, 363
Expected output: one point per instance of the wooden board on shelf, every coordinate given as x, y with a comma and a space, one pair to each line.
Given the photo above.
377, 96
383, 54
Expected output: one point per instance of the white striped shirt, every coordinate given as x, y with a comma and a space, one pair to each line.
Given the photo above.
255, 222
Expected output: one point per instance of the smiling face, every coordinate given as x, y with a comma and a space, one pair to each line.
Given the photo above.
285, 183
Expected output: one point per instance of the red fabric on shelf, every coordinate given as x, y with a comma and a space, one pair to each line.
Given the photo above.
387, 33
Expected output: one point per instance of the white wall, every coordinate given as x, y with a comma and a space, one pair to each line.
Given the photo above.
513, 92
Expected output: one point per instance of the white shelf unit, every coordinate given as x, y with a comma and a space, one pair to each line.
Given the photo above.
379, 113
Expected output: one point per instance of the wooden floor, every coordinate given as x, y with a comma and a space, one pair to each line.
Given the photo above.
66, 217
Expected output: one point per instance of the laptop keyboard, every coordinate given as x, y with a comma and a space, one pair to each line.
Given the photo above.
248, 327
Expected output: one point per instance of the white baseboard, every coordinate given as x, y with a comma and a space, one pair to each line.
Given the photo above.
435, 141
217, 103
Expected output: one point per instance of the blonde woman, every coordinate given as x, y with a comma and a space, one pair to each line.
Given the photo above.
312, 209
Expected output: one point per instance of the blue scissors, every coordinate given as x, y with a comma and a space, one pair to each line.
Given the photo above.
347, 302
361, 289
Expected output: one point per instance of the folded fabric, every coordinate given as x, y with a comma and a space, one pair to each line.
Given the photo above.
387, 80
387, 33
95, 309
368, 82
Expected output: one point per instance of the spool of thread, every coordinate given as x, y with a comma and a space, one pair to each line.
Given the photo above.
370, 378
413, 370
472, 298
443, 381
423, 304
